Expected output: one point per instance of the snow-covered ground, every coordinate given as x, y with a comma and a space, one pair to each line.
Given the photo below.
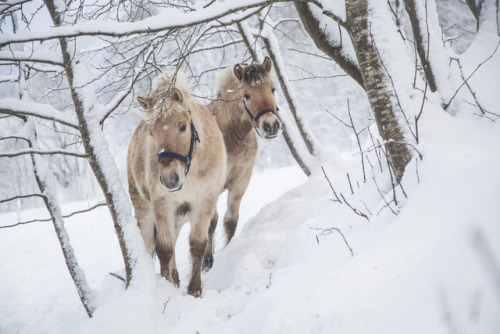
431, 269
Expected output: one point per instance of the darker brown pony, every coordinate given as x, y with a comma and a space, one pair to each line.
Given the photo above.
168, 190
245, 102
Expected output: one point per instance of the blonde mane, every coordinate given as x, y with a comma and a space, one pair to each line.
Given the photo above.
165, 83
226, 83
177, 79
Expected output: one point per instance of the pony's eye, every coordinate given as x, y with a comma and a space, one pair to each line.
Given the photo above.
183, 128
246, 96
273, 90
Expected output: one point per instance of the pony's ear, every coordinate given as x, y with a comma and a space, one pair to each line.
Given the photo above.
177, 95
145, 102
267, 64
239, 72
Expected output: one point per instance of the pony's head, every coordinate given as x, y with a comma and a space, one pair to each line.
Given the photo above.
257, 90
171, 128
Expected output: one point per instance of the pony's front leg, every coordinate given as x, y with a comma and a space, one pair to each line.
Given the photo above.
233, 211
198, 241
208, 260
165, 238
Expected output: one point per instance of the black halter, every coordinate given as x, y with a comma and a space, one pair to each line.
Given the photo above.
261, 113
184, 158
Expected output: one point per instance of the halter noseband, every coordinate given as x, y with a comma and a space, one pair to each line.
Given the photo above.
184, 158
261, 113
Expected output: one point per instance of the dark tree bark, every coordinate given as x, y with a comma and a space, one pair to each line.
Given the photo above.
421, 42
375, 81
475, 8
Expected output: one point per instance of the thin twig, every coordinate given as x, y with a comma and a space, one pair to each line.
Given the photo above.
327, 231
331, 186
117, 276
50, 219
350, 184
473, 72
356, 211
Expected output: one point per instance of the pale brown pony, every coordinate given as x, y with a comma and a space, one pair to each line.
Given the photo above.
245, 102
176, 168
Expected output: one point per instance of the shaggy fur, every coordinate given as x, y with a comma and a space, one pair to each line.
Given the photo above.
163, 196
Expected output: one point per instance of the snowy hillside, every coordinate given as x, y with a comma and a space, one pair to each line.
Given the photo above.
431, 268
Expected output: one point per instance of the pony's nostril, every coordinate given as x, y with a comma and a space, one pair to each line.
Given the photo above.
176, 178
162, 181
276, 126
267, 127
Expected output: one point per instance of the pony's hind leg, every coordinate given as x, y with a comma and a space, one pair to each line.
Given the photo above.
208, 259
198, 241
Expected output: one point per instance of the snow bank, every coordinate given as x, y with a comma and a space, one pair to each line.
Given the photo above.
420, 271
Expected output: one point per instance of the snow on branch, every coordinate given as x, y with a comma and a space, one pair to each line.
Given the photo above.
42, 152
47, 57
16, 107
10, 6
20, 197
167, 19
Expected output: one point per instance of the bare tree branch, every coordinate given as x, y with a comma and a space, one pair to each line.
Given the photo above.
42, 152
98, 205
46, 57
20, 197
166, 20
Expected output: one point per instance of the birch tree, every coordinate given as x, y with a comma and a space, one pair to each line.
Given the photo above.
334, 31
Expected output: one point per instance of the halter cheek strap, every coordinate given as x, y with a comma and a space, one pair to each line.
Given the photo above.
261, 113
184, 158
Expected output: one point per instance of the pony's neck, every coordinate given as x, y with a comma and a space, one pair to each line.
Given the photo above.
235, 123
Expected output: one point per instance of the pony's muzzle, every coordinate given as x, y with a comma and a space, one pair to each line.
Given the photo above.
173, 182
271, 128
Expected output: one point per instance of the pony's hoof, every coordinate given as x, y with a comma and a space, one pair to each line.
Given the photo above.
195, 292
208, 262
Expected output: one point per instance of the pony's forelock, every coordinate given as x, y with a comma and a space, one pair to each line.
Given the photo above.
254, 75
165, 83
176, 79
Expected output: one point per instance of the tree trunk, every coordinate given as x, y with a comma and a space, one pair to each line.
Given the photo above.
99, 157
475, 8
421, 42
39, 170
376, 85
77, 274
